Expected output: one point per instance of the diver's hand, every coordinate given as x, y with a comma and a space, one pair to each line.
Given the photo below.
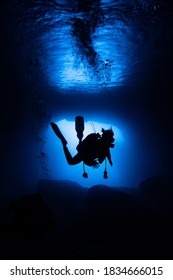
96, 164
111, 163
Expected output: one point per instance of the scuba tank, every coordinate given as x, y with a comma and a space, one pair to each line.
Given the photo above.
79, 126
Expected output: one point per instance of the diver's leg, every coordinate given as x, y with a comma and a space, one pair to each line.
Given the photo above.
71, 160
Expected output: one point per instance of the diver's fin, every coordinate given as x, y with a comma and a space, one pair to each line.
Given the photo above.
58, 133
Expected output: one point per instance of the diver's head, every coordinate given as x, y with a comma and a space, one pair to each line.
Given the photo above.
107, 136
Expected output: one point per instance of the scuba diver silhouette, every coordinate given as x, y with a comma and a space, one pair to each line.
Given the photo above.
93, 150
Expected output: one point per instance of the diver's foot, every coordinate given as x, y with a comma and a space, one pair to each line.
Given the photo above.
58, 133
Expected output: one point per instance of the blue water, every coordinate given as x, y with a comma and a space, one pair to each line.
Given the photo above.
105, 60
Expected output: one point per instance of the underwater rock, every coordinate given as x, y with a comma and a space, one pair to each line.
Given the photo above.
102, 196
62, 191
157, 192
30, 215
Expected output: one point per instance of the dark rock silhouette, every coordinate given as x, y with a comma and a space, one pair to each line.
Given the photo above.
62, 191
30, 215
97, 223
157, 192
112, 198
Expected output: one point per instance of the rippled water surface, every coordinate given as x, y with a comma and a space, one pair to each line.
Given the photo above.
88, 46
